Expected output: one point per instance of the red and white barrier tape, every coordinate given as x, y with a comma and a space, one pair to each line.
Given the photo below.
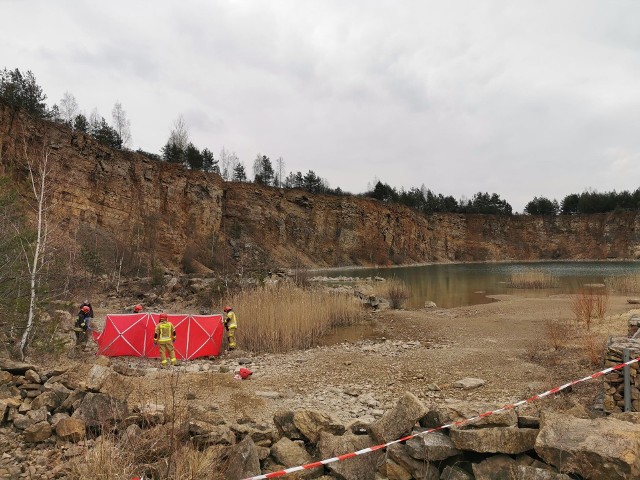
441, 427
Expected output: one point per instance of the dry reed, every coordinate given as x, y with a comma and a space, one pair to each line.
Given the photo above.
532, 279
625, 284
284, 317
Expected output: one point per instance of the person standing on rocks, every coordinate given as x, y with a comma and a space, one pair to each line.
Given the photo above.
86, 303
165, 337
230, 324
82, 324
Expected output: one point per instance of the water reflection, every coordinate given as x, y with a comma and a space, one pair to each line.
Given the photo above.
453, 285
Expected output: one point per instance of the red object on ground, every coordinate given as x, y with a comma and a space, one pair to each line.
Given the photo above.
245, 373
132, 335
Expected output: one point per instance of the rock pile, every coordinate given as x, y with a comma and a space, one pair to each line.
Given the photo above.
48, 420
614, 381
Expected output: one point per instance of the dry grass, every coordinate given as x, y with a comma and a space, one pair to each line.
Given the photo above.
593, 346
590, 304
163, 451
624, 284
397, 293
284, 317
557, 333
112, 459
394, 290
532, 279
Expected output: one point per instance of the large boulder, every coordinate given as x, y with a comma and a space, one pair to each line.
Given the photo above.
261, 435
52, 398
283, 420
98, 409
431, 447
417, 468
56, 417
38, 432
469, 383
454, 472
5, 377
72, 429
391, 470
6, 404
39, 415
362, 467
243, 460
291, 454
32, 376
497, 467
17, 368
98, 376
596, 449
72, 402
398, 421
456, 410
217, 435
511, 440
523, 472
311, 422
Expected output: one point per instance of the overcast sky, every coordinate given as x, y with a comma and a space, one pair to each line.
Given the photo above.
525, 98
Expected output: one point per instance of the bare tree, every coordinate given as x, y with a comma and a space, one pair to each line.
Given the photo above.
39, 169
121, 124
225, 169
228, 163
280, 169
179, 135
95, 118
68, 108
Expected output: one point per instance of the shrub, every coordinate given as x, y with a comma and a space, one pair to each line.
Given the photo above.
557, 333
594, 349
157, 276
397, 293
589, 304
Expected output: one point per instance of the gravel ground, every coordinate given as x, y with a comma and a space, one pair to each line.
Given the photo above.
422, 351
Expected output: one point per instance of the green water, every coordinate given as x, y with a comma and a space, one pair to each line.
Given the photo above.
453, 285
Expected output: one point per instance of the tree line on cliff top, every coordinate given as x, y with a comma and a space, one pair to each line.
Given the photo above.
22, 91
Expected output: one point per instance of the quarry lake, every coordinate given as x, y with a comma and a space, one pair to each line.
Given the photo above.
454, 285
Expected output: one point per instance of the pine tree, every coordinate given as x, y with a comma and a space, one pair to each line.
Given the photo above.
209, 164
81, 123
22, 91
172, 153
193, 157
239, 175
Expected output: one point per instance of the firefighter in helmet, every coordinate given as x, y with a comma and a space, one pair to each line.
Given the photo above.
164, 337
230, 324
82, 324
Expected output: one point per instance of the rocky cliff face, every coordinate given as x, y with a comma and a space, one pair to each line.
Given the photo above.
164, 213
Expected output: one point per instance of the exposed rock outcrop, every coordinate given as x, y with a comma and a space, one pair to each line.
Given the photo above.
177, 215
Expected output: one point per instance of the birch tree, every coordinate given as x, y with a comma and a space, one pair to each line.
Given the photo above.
37, 163
179, 135
68, 108
121, 124
280, 169
228, 163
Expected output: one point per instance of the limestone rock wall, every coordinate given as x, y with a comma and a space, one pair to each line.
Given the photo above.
165, 212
